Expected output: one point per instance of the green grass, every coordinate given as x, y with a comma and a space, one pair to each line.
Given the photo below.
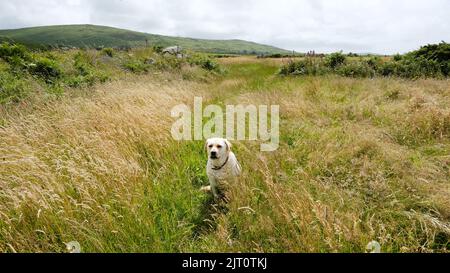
96, 36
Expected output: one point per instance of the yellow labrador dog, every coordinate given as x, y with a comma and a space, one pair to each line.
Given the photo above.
222, 165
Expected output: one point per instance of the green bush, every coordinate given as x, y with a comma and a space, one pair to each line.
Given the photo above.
45, 68
136, 66
357, 69
374, 62
434, 54
108, 52
87, 73
304, 67
335, 59
432, 61
388, 69
12, 88
86, 80
204, 62
397, 57
169, 63
17, 56
419, 67
209, 64
158, 48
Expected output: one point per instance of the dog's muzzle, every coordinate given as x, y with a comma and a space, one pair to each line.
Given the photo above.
213, 155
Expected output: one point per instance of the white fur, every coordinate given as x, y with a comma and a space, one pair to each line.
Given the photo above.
228, 171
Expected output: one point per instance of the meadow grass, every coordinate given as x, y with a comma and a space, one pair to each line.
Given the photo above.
359, 160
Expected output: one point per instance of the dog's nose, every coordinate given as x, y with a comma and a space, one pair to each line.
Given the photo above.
213, 154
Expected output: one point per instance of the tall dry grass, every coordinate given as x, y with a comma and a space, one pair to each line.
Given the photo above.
70, 168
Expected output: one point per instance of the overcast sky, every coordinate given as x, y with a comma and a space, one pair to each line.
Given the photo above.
376, 26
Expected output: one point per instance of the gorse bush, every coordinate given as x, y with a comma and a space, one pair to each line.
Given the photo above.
12, 88
308, 66
8, 52
136, 66
108, 52
359, 160
20, 59
438, 53
374, 62
335, 59
204, 62
397, 57
208, 64
82, 64
356, 69
45, 68
158, 48
17, 56
169, 63
87, 74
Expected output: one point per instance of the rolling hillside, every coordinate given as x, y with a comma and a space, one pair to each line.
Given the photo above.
94, 36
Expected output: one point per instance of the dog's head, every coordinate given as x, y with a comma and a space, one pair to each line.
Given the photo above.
217, 148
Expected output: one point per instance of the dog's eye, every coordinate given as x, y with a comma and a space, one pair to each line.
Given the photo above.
219, 146
210, 146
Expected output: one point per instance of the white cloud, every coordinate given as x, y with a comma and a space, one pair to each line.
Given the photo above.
382, 26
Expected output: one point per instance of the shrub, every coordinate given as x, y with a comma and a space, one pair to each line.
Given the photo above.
209, 64
158, 48
45, 68
374, 62
8, 51
85, 57
82, 64
356, 69
388, 69
304, 67
204, 62
335, 59
12, 88
87, 74
434, 54
169, 63
432, 61
16, 55
108, 52
86, 80
136, 66
397, 57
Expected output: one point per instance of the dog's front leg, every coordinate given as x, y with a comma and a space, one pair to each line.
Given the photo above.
213, 184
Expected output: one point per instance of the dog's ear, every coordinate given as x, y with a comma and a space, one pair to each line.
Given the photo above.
228, 143
206, 145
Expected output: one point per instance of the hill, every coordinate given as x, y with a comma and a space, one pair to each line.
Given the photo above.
95, 36
359, 159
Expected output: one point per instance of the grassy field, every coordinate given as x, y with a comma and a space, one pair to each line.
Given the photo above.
96, 36
359, 160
